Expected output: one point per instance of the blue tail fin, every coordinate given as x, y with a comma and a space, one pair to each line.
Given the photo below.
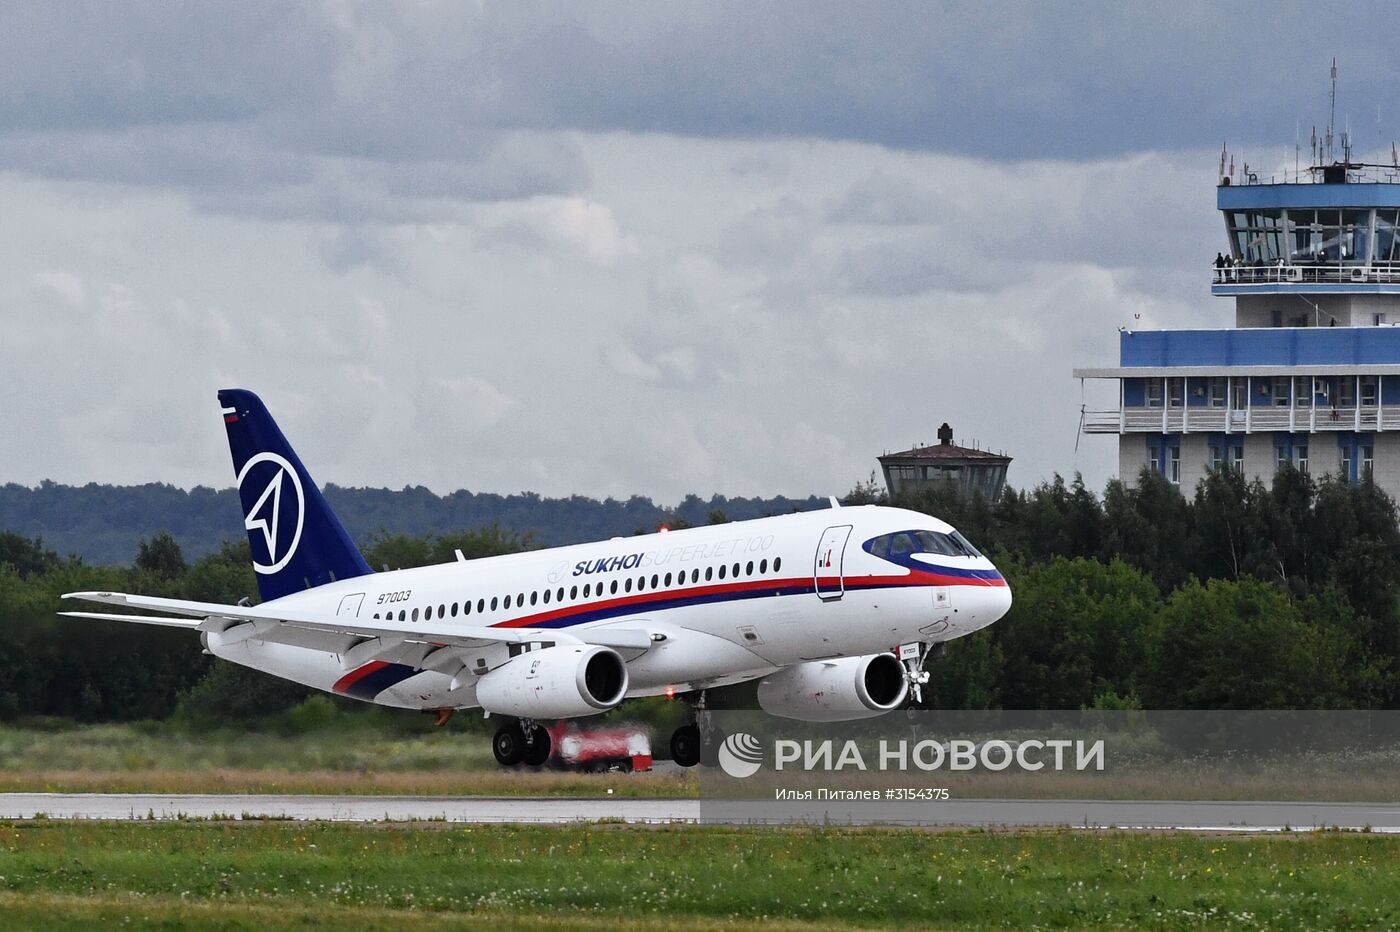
297, 541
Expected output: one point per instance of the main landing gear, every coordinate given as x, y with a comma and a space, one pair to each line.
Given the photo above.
697, 742
521, 742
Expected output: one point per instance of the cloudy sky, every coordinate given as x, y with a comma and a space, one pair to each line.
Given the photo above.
620, 248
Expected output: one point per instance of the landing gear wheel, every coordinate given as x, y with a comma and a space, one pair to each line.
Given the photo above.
508, 745
537, 748
685, 745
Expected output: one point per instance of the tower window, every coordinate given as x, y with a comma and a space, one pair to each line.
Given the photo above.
1368, 390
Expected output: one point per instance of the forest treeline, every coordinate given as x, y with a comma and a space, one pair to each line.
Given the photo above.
104, 524
1239, 596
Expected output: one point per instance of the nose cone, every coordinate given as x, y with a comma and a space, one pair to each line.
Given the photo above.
998, 602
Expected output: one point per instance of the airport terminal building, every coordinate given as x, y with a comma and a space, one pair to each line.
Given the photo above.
1310, 373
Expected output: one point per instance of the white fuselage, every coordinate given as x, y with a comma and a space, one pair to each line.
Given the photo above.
719, 604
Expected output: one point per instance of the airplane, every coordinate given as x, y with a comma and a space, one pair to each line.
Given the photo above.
833, 611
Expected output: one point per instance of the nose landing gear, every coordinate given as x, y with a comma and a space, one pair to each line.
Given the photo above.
914, 656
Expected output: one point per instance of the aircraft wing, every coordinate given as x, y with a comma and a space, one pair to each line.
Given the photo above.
330, 632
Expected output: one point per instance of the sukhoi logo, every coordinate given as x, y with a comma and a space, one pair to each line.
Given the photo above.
269, 514
607, 564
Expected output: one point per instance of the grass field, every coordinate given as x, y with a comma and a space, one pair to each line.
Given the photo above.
355, 756
279, 875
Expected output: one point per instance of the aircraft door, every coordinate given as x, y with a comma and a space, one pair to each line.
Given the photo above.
827, 566
350, 606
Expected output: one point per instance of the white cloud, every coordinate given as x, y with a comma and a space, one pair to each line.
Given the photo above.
677, 327
65, 286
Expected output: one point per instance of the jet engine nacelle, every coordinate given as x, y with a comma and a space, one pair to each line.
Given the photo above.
835, 690
558, 682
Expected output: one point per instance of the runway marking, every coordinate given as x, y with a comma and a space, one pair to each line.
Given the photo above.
1146, 815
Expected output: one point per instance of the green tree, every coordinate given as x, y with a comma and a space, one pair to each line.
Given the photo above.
1241, 645
1075, 630
161, 556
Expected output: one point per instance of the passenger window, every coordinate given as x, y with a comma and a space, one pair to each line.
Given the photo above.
762, 567
748, 570
493, 603
467, 607
709, 573
735, 571
655, 580
559, 596
614, 587
587, 587
695, 575
454, 609
668, 579
520, 599
722, 568
546, 598
628, 586
777, 564
415, 614
573, 592
402, 615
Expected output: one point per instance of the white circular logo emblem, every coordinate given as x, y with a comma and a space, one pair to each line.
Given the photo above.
266, 513
740, 755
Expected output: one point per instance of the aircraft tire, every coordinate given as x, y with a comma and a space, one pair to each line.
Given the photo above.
508, 745
537, 750
685, 745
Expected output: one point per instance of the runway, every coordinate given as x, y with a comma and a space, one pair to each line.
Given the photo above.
1010, 813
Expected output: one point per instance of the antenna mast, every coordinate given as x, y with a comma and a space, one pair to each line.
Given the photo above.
1332, 115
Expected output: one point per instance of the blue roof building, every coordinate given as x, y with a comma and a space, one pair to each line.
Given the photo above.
1310, 374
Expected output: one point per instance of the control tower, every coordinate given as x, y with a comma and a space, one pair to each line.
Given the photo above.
1310, 373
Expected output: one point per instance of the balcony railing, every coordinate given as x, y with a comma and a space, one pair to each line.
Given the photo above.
1181, 420
1307, 274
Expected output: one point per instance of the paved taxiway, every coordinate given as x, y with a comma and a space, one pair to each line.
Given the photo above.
1155, 814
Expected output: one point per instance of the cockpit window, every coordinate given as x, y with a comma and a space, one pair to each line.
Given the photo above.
965, 544
941, 544
937, 543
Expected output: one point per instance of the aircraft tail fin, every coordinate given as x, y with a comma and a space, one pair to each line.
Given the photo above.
296, 540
